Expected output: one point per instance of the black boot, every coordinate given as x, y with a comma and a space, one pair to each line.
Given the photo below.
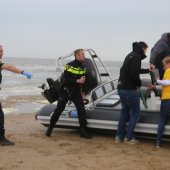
49, 131
6, 142
84, 133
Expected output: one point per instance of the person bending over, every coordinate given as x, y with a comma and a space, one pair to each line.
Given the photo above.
160, 50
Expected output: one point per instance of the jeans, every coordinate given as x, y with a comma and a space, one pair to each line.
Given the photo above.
164, 112
130, 101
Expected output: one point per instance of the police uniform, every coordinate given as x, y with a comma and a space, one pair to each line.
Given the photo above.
71, 90
3, 140
2, 130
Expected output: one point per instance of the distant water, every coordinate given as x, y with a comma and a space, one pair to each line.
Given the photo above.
17, 85
14, 84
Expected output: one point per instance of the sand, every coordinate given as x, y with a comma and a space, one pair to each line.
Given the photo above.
65, 150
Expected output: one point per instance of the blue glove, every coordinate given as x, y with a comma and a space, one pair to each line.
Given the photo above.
28, 75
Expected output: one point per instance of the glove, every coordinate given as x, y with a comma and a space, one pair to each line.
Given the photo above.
28, 75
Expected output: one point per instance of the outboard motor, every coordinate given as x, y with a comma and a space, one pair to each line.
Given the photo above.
51, 93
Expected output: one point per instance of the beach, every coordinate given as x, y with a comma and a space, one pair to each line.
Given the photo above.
65, 150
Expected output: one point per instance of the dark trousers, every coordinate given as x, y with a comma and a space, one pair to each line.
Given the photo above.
164, 113
77, 100
2, 130
130, 107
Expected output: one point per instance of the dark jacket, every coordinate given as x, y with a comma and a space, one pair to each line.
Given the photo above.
72, 71
1, 64
160, 49
129, 78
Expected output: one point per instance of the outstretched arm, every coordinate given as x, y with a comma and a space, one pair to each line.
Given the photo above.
11, 68
16, 70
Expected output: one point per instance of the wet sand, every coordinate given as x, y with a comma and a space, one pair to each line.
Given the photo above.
65, 150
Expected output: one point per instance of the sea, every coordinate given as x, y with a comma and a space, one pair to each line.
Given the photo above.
15, 84
18, 85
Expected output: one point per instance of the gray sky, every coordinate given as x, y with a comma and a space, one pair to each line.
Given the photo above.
53, 28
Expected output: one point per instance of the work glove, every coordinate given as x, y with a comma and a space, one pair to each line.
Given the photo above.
28, 75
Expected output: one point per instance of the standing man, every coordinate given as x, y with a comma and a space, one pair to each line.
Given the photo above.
3, 66
160, 50
73, 80
128, 84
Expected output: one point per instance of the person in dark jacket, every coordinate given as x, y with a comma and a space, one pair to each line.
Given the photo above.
4, 66
73, 80
160, 50
128, 84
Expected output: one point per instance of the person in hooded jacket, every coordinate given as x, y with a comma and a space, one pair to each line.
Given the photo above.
160, 50
128, 84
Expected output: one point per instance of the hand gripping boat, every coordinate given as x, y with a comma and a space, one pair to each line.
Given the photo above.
102, 103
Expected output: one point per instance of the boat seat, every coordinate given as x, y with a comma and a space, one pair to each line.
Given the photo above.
102, 90
101, 95
108, 103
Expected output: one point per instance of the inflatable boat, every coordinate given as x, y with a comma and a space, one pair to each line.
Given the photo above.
102, 102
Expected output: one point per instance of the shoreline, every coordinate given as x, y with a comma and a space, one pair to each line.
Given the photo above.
22, 104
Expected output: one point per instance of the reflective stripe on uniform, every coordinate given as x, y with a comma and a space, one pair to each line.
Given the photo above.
1, 64
75, 70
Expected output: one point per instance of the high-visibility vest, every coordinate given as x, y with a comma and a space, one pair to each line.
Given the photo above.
75, 70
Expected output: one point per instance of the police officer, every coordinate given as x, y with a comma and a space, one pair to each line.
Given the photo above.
73, 80
3, 66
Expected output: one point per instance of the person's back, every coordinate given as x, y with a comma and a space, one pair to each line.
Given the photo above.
159, 51
129, 73
129, 82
